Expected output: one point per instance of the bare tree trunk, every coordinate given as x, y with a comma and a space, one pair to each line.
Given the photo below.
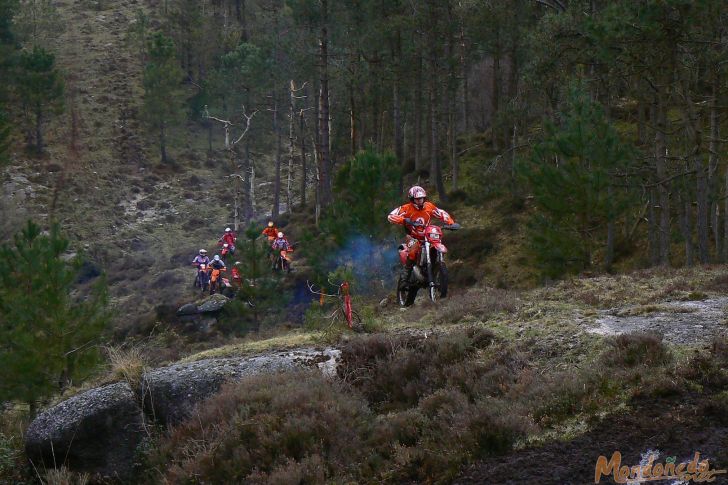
163, 142
276, 129
302, 134
663, 184
713, 162
685, 226
277, 180
609, 257
464, 73
495, 96
725, 219
324, 142
353, 132
418, 115
398, 131
652, 230
248, 186
693, 131
291, 142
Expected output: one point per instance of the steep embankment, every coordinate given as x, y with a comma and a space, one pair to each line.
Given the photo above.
135, 218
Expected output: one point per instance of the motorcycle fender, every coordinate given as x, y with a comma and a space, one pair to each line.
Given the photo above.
440, 247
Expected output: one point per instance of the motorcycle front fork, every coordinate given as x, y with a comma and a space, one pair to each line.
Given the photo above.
427, 260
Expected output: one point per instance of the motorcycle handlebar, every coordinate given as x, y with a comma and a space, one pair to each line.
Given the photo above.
452, 227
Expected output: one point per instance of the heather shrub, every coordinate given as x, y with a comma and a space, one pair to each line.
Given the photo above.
394, 373
630, 350
293, 428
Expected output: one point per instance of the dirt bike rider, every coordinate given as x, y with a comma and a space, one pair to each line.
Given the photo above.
201, 258
415, 216
235, 273
280, 243
228, 238
217, 263
270, 232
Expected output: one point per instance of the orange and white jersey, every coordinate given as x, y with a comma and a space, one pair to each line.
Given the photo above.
422, 216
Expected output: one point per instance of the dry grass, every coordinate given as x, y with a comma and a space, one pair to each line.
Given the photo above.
126, 365
63, 476
645, 287
292, 339
475, 304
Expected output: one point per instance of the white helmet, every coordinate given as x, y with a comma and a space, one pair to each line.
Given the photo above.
227, 229
237, 263
225, 245
280, 234
203, 251
217, 257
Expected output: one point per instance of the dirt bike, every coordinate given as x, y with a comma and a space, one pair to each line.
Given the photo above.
226, 250
430, 270
282, 261
226, 287
216, 280
202, 279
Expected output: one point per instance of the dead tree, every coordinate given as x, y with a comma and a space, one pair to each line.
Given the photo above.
231, 146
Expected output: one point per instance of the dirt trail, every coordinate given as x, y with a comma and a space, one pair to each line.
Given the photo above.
679, 322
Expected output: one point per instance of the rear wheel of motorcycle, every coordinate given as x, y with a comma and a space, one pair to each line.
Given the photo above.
439, 277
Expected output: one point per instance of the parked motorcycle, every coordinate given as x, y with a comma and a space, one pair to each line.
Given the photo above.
430, 271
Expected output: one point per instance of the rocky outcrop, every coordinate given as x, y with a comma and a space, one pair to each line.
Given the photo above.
170, 393
99, 431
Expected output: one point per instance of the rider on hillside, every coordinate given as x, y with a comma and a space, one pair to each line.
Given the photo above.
235, 273
271, 231
415, 216
201, 258
217, 263
228, 238
280, 243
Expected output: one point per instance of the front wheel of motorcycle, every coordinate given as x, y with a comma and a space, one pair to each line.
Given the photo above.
439, 278
405, 294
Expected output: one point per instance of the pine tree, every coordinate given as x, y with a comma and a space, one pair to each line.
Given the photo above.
7, 51
162, 76
49, 334
571, 174
40, 88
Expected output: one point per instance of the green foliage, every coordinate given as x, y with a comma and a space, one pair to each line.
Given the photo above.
7, 57
572, 175
138, 33
40, 87
260, 291
366, 189
37, 23
48, 333
162, 76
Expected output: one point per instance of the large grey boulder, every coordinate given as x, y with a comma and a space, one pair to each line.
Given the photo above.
171, 393
212, 304
96, 431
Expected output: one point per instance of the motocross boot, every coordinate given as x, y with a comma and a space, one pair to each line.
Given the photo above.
405, 274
